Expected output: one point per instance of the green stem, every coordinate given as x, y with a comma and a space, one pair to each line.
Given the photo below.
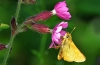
10, 44
18, 9
13, 36
42, 48
8, 50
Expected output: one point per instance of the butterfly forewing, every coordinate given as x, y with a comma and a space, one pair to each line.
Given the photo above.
69, 52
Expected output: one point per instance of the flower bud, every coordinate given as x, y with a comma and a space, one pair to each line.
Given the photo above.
13, 26
40, 28
40, 17
2, 46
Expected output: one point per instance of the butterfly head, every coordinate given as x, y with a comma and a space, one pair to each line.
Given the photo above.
68, 35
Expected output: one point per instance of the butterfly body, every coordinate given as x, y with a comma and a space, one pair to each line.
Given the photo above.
69, 52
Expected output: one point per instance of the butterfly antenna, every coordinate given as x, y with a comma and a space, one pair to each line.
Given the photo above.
73, 30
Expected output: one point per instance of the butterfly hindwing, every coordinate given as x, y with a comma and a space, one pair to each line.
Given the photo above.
69, 52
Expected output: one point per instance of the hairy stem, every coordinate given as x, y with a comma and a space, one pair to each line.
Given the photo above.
8, 50
10, 44
18, 9
13, 36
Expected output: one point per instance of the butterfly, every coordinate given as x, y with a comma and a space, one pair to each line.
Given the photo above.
68, 51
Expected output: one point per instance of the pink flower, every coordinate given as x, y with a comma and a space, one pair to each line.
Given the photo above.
61, 10
57, 32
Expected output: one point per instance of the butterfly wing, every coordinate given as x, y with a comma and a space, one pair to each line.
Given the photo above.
69, 52
61, 51
65, 52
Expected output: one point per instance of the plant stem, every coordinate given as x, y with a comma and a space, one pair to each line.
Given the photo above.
42, 48
10, 44
8, 50
13, 36
18, 9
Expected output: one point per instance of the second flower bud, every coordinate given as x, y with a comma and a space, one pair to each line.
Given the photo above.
40, 28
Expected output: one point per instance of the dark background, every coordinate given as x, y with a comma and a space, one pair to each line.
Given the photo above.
31, 48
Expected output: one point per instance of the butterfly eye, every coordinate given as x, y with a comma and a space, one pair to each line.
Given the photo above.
67, 36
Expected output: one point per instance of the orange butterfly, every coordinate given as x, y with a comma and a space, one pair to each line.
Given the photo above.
68, 51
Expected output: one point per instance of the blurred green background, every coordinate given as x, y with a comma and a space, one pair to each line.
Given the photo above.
31, 48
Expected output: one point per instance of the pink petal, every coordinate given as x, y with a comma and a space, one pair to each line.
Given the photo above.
63, 9
63, 32
58, 29
64, 24
60, 4
56, 37
51, 45
64, 15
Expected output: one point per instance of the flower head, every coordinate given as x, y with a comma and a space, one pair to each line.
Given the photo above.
57, 32
61, 10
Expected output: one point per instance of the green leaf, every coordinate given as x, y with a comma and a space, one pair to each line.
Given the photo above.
3, 26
